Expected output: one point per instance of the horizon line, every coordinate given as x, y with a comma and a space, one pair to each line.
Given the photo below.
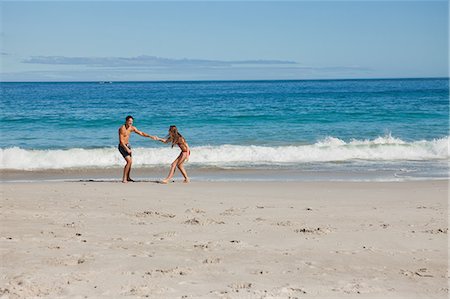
225, 80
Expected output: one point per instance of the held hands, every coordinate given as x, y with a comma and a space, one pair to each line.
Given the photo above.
156, 138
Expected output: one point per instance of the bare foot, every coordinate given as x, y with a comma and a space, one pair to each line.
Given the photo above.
124, 182
187, 181
165, 181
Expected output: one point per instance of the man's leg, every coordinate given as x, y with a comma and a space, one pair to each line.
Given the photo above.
127, 169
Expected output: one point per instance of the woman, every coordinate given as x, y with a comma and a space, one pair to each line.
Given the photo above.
176, 138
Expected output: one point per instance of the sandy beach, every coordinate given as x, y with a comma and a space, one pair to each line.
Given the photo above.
313, 137
224, 240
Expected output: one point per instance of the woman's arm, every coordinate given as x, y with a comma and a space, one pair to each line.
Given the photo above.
161, 139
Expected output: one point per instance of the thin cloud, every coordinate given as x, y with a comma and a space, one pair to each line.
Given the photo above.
152, 68
145, 61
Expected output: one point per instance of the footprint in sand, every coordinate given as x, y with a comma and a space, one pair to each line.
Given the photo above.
20, 287
71, 260
71, 225
259, 272
425, 207
384, 225
423, 272
154, 213
195, 211
201, 246
169, 271
356, 288
212, 260
219, 292
259, 219
264, 207
139, 223
54, 247
293, 290
205, 246
283, 223
316, 231
240, 285
207, 221
436, 231
164, 235
193, 221
141, 254
213, 221
233, 211
144, 291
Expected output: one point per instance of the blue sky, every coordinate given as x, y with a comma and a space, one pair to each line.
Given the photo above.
128, 41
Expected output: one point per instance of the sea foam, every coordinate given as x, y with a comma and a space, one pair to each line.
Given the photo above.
330, 149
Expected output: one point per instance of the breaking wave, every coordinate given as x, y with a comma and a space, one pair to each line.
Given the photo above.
330, 149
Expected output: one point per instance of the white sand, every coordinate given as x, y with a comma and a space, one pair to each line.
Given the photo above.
224, 240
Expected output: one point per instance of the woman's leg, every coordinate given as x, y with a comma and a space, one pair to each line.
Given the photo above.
172, 170
180, 165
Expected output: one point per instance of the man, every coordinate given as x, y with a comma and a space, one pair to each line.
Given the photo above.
124, 145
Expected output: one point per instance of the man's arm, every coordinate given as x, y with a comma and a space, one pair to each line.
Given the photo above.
135, 130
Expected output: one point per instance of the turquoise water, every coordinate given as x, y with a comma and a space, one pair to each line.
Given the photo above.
227, 123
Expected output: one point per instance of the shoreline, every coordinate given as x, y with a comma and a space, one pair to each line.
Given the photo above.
214, 175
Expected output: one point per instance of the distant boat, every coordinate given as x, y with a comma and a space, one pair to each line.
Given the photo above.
105, 82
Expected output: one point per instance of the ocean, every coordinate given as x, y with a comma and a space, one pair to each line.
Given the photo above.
387, 129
